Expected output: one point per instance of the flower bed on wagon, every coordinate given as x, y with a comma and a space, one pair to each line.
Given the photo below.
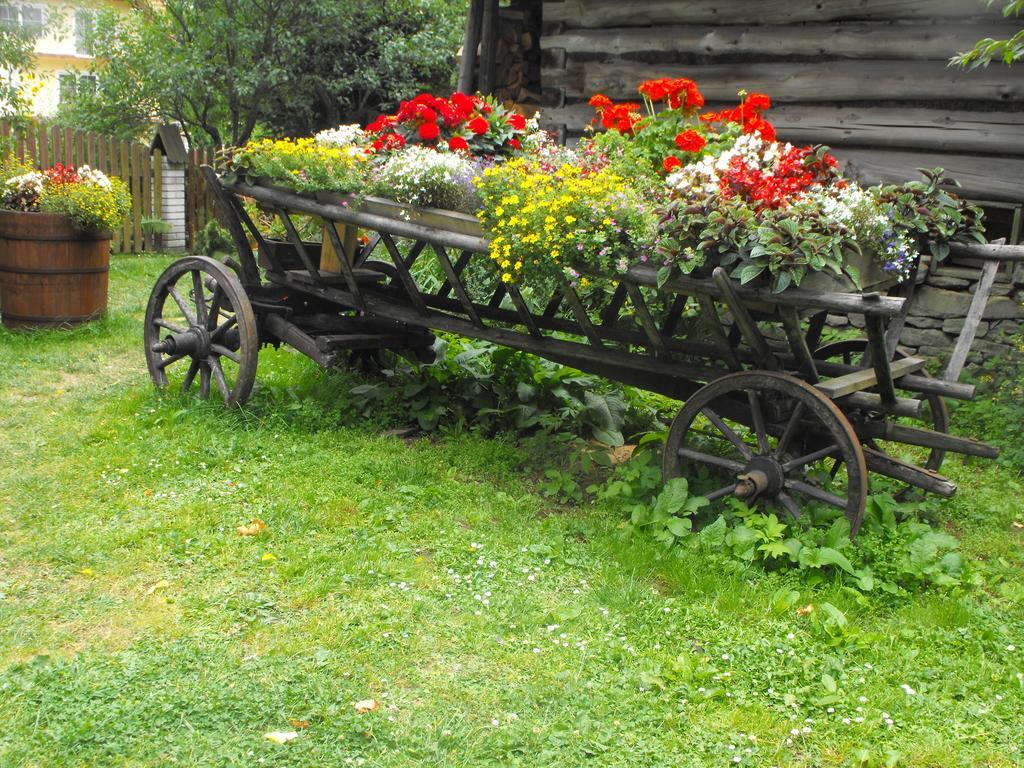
657, 181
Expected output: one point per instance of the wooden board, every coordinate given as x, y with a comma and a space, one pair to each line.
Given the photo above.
876, 127
850, 80
855, 40
611, 13
990, 178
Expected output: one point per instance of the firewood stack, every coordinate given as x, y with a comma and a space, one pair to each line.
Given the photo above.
507, 43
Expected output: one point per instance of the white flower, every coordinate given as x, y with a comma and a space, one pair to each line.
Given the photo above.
342, 136
908, 690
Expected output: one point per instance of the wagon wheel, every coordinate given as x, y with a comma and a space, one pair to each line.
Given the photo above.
935, 416
765, 437
199, 321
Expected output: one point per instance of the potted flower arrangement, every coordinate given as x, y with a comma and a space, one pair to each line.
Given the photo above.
659, 183
55, 230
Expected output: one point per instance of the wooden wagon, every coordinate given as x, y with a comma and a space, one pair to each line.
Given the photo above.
775, 415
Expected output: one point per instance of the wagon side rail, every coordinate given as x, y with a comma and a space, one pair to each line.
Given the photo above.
993, 255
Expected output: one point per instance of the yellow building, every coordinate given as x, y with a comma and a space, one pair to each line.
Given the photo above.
62, 56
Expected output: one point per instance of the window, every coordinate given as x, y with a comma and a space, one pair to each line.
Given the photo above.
87, 85
73, 84
85, 26
68, 85
33, 18
29, 18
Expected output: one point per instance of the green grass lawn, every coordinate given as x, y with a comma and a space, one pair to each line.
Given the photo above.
137, 628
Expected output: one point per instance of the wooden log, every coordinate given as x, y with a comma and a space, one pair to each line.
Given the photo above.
874, 39
869, 401
994, 251
470, 41
984, 178
295, 337
809, 81
615, 13
933, 130
488, 47
910, 474
926, 438
346, 215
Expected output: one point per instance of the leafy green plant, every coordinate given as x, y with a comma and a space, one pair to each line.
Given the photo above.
153, 226
475, 384
213, 240
988, 50
670, 516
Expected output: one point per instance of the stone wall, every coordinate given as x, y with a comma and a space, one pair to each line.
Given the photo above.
941, 303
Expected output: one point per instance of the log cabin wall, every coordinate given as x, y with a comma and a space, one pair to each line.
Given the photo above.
869, 78
866, 77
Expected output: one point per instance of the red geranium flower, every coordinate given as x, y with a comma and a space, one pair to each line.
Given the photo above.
760, 126
457, 143
757, 102
600, 102
690, 141
670, 163
479, 125
429, 131
517, 121
463, 104
514, 143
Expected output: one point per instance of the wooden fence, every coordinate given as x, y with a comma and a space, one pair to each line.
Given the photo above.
198, 199
43, 146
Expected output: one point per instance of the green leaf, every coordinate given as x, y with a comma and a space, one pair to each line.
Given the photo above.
749, 272
829, 683
679, 526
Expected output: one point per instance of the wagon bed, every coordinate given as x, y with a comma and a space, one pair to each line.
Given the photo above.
776, 415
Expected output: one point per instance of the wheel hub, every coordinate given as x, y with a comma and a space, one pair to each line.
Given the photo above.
762, 477
195, 342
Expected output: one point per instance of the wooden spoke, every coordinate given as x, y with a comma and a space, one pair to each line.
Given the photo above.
167, 326
816, 493
726, 430
199, 296
791, 506
204, 380
193, 369
810, 458
221, 351
707, 458
169, 361
758, 417
720, 493
215, 300
186, 310
218, 376
223, 328
790, 431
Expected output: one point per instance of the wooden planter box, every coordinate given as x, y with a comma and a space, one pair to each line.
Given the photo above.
438, 218
52, 274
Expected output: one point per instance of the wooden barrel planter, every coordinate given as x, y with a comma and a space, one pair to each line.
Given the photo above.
52, 274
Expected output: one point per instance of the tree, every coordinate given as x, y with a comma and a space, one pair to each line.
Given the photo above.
17, 42
988, 50
225, 69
